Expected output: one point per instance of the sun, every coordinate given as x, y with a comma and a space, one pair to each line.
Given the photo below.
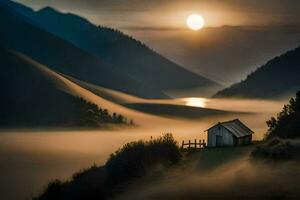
195, 22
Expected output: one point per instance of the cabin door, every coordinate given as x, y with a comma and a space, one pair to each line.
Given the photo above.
219, 141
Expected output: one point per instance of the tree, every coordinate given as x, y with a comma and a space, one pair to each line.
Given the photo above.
287, 123
96, 116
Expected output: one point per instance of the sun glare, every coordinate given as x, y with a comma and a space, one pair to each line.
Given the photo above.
195, 22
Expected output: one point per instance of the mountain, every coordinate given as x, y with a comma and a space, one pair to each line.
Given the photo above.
277, 78
64, 57
125, 54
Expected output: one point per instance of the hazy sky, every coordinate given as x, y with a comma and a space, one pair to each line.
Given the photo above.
173, 13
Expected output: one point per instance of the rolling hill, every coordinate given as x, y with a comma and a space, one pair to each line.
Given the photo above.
277, 78
31, 97
34, 96
122, 52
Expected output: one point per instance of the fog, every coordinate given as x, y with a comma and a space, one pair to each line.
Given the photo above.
29, 159
240, 178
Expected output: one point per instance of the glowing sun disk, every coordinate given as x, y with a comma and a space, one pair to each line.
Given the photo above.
195, 22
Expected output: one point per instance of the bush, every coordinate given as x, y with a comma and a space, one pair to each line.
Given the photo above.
136, 158
132, 160
277, 149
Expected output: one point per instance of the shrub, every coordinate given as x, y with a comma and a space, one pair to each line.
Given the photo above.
136, 158
132, 160
277, 149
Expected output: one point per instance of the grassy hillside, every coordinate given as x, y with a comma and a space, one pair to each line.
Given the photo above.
132, 161
213, 158
216, 173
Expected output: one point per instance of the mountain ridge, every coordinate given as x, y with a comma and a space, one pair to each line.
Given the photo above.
277, 78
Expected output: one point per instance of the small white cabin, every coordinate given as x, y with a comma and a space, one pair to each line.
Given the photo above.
230, 133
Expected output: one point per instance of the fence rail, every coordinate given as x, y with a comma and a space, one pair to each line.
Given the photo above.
195, 144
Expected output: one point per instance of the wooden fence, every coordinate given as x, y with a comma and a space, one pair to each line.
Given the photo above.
195, 144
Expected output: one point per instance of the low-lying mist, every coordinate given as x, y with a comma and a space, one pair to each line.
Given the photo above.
30, 159
239, 179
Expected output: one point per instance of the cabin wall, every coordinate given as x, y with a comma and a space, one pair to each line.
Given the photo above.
216, 131
244, 140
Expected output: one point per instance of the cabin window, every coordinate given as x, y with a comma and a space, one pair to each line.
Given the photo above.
219, 128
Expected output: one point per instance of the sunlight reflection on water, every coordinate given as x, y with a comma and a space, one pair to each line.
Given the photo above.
196, 102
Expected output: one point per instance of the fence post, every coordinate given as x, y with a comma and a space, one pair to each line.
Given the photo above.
182, 144
189, 143
204, 144
195, 144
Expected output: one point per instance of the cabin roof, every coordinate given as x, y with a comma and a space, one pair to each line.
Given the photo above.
236, 127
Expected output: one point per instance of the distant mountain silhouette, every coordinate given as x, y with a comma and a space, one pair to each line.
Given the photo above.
64, 57
225, 54
123, 53
277, 78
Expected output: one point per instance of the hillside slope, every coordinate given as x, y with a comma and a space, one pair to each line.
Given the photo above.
277, 78
34, 96
64, 57
30, 97
126, 54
